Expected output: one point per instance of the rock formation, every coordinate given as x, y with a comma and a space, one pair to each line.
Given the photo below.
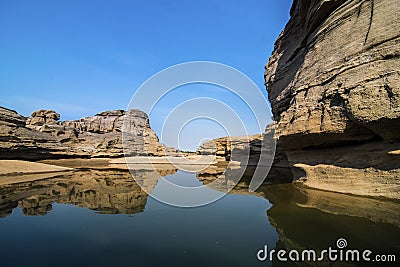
43, 136
223, 147
42, 117
333, 82
250, 151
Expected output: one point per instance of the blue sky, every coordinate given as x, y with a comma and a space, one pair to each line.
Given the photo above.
83, 57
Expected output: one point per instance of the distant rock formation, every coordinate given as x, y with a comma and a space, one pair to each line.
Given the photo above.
333, 82
223, 147
42, 117
255, 150
42, 135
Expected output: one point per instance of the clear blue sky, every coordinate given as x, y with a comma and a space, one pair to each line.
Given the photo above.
83, 57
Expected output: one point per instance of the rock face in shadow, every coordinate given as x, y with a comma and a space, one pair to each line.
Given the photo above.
43, 136
333, 81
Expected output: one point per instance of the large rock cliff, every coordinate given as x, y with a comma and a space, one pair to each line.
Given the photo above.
42, 135
333, 81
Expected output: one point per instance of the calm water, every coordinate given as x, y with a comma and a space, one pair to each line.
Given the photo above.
103, 218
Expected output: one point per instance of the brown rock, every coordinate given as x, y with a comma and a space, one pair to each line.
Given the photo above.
42, 117
334, 74
96, 136
333, 82
11, 118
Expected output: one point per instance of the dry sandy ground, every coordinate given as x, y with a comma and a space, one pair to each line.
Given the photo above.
18, 171
20, 166
191, 163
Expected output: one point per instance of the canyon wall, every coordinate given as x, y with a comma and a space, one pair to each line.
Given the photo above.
42, 135
333, 82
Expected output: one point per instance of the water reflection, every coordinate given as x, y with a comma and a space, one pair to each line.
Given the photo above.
226, 233
104, 191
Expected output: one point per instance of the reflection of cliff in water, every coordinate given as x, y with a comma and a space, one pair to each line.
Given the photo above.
308, 218
222, 176
105, 191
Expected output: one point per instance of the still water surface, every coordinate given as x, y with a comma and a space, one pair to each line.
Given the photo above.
103, 218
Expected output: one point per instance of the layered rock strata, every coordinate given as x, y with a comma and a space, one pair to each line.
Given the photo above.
43, 136
333, 81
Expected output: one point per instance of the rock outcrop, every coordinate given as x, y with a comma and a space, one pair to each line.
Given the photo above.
224, 147
250, 151
43, 136
333, 81
42, 117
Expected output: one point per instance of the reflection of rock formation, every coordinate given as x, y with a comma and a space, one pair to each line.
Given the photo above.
308, 218
104, 191
236, 178
313, 219
43, 136
333, 82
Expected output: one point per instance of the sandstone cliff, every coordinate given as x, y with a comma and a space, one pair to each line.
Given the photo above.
42, 135
333, 82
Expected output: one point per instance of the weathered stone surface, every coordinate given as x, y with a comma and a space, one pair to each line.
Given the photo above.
43, 136
368, 169
42, 117
18, 141
11, 118
223, 147
333, 82
334, 74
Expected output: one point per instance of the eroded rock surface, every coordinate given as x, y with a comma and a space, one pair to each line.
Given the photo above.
333, 81
334, 74
43, 136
